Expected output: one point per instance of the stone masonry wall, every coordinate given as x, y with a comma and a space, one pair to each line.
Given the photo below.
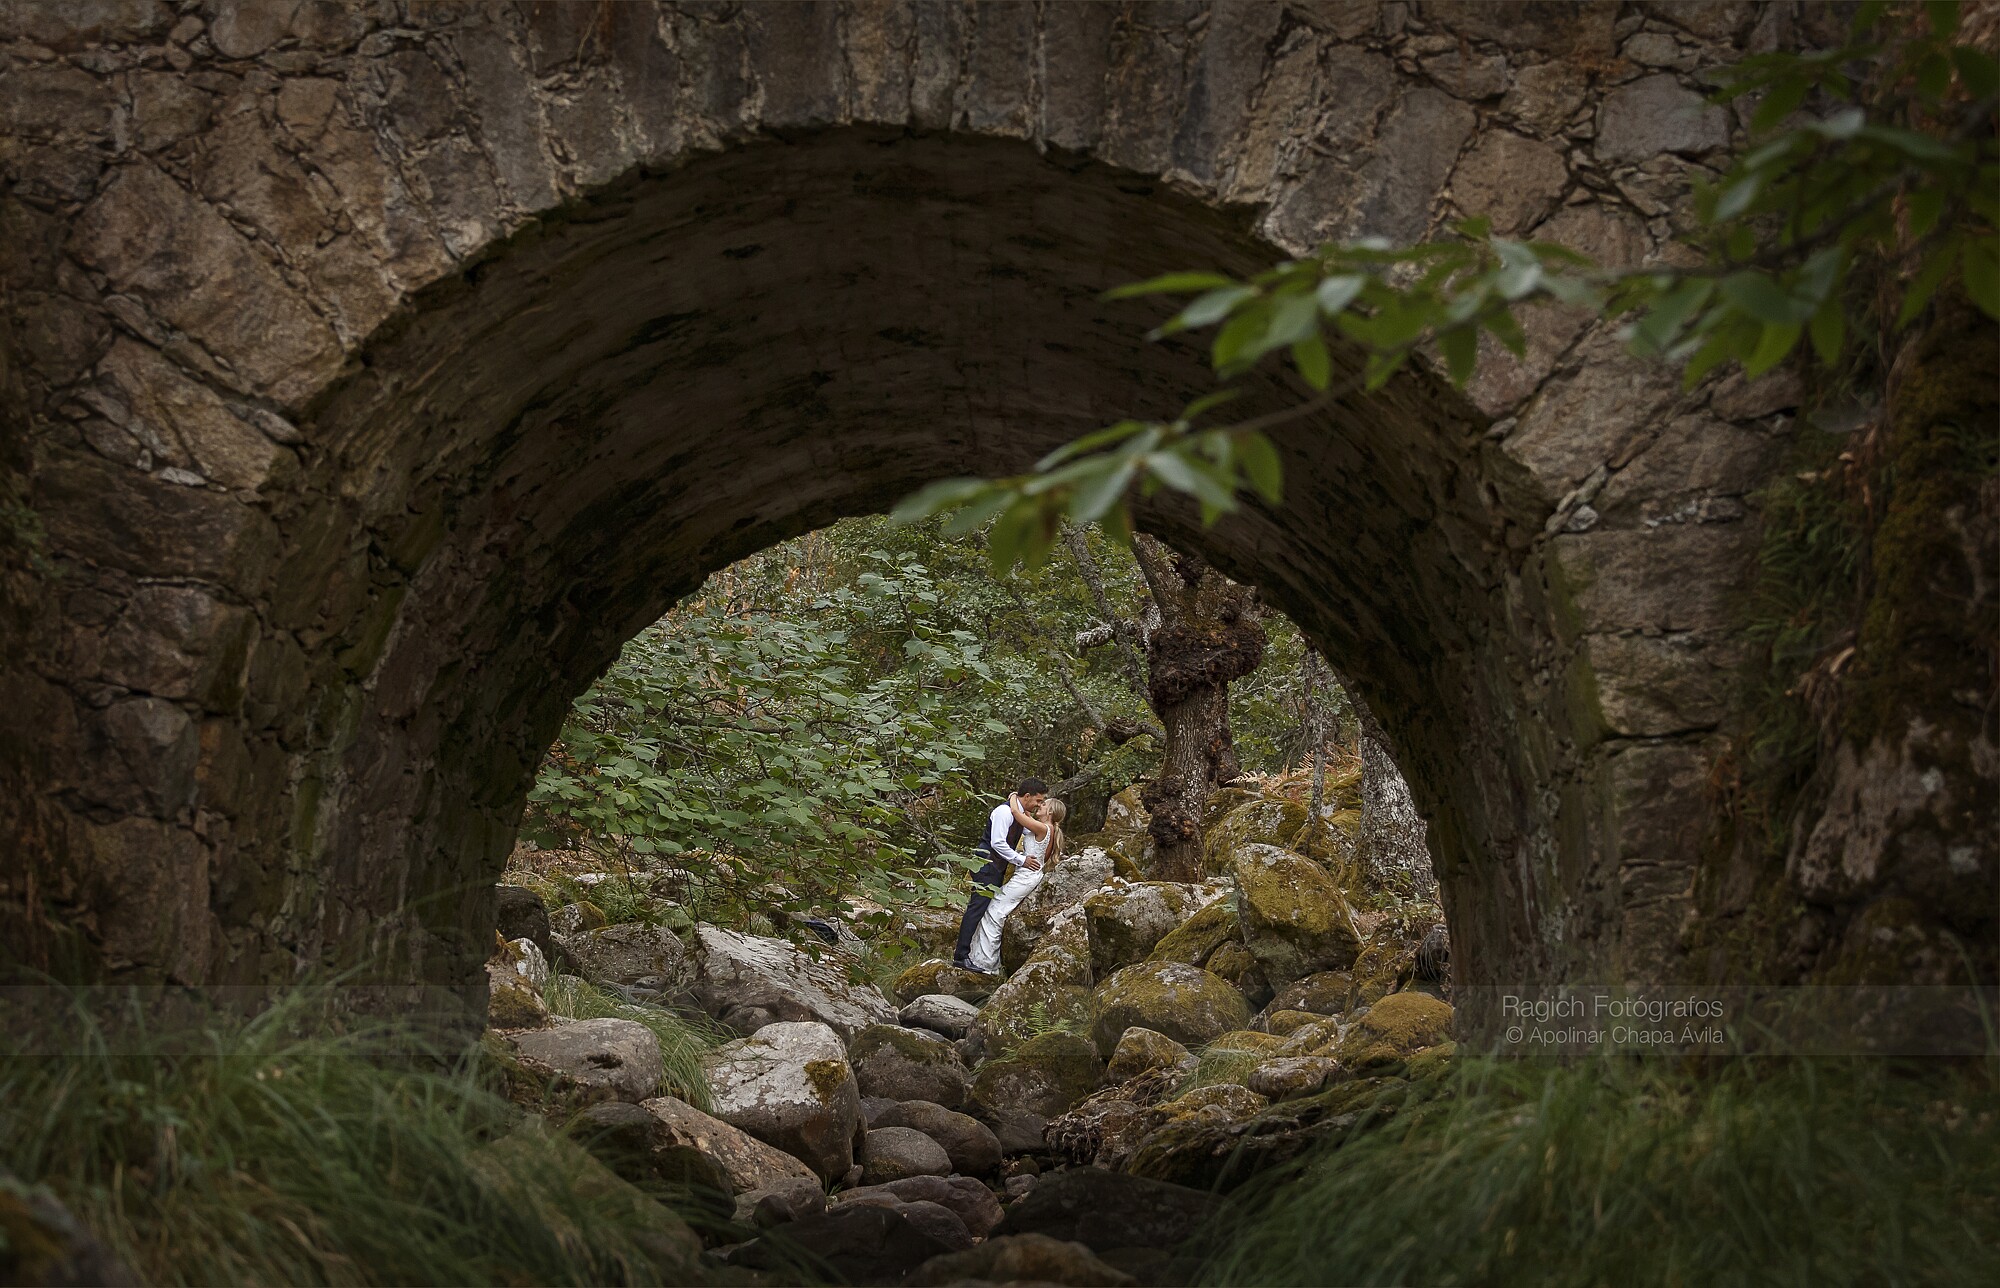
373, 370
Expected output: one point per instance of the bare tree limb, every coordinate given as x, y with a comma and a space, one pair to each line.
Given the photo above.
1122, 629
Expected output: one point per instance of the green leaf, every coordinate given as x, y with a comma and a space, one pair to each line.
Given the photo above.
1169, 284
1829, 329
1777, 341
1780, 103
1925, 283
1662, 325
1210, 308
1944, 17
1090, 442
931, 498
1934, 76
1261, 466
1294, 318
1920, 147
1760, 297
1336, 293
1981, 262
1091, 499
1737, 196
1310, 357
1461, 352
1506, 328
975, 513
1184, 475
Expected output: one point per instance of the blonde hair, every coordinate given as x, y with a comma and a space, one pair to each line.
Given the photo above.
1057, 813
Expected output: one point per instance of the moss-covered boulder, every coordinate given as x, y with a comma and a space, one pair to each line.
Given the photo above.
1262, 820
1325, 992
1246, 1040
1051, 988
1295, 919
1225, 1100
1223, 800
1143, 1050
1125, 922
1286, 1076
1184, 1002
1393, 1029
1083, 871
1234, 962
1044, 1075
939, 976
1318, 1037
1194, 939
896, 1063
1286, 1023
1126, 812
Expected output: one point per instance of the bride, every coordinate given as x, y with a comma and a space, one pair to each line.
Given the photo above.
1043, 850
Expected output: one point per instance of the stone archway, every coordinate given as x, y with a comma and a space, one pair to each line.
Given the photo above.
379, 380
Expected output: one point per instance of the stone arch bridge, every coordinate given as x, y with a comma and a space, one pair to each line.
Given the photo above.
373, 371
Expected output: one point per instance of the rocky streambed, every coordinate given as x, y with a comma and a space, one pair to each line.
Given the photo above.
1152, 1046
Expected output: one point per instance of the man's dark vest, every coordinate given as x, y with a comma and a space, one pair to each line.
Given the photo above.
1014, 831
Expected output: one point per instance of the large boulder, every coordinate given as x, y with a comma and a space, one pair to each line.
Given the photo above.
972, 1146
1262, 820
519, 913
1143, 1050
907, 1064
757, 980
895, 1153
1323, 993
938, 976
1295, 919
1186, 1003
780, 1204
1124, 922
1395, 1028
1285, 1076
1197, 938
1067, 885
1044, 1075
515, 975
1234, 962
1126, 811
591, 1060
789, 1085
1104, 1210
1051, 988
940, 1013
1021, 1258
632, 954
675, 1143
861, 1243
970, 1200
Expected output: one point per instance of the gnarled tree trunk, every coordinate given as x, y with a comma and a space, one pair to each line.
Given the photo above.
1391, 844
1208, 635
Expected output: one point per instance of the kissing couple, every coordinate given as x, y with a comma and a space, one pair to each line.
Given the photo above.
1022, 841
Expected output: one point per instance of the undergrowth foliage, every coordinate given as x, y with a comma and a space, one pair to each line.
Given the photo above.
1617, 1172
278, 1150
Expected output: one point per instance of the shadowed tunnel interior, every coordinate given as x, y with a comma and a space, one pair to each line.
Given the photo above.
536, 461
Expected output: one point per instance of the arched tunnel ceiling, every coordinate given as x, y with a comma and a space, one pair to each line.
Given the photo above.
557, 444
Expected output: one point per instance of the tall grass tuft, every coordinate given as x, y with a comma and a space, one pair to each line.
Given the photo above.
684, 1039
1616, 1173
270, 1150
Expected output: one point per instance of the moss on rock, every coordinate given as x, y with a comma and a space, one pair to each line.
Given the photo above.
1326, 992
1142, 1050
1394, 1029
940, 976
1045, 1075
1295, 919
1186, 1003
1194, 939
1286, 1023
1125, 923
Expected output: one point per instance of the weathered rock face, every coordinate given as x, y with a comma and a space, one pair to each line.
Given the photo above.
973, 1147
333, 583
939, 977
690, 1145
1022, 1258
747, 981
790, 1086
1067, 885
1183, 1002
907, 1064
592, 1059
634, 954
895, 1153
1295, 919
939, 1013
1044, 1076
1051, 987
1125, 922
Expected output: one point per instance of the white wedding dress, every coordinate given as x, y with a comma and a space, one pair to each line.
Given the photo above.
985, 954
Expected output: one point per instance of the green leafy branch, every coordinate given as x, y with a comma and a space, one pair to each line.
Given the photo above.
1901, 165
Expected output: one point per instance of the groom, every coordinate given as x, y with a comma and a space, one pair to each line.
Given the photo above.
1002, 834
